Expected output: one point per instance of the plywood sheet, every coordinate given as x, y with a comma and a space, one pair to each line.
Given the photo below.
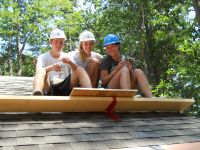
89, 104
102, 92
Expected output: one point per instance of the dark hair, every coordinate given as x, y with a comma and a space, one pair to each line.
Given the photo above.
117, 43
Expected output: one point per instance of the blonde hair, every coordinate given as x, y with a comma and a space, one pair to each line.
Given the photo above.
82, 53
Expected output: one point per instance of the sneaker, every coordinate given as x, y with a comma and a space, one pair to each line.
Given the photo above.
37, 93
138, 96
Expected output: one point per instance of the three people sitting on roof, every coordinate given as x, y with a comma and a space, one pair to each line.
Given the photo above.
58, 72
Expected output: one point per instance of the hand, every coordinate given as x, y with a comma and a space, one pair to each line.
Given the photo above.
127, 64
131, 60
120, 65
56, 67
66, 60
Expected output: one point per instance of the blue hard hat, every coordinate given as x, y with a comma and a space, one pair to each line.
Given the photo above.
111, 39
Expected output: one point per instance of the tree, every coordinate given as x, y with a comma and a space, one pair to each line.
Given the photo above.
25, 26
196, 6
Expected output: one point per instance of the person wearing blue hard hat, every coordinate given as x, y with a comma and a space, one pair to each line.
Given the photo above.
117, 72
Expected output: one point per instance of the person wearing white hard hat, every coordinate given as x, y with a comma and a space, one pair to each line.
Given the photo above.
56, 74
87, 58
117, 72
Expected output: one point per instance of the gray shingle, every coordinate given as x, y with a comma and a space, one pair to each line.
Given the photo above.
8, 127
122, 129
165, 133
23, 126
142, 128
88, 137
117, 144
171, 140
116, 136
89, 146
149, 141
157, 148
52, 125
98, 130
30, 133
25, 141
7, 134
65, 146
71, 125
59, 139
8, 141
183, 132
38, 140
66, 131
7, 148
27, 147
196, 130
197, 125
144, 134
189, 138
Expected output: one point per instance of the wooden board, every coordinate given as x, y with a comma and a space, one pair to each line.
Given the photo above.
89, 104
154, 104
102, 92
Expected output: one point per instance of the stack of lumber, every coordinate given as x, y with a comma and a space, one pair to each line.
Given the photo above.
92, 100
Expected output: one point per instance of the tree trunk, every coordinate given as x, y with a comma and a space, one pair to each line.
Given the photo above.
19, 56
148, 47
196, 5
9, 50
143, 41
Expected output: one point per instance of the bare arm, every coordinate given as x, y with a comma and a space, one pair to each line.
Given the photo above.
66, 60
106, 77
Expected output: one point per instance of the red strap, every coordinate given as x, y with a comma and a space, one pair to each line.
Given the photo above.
111, 109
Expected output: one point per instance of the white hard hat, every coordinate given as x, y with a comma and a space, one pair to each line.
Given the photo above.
57, 34
86, 36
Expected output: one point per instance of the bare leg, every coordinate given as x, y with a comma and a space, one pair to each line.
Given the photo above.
121, 80
41, 81
80, 76
94, 72
140, 80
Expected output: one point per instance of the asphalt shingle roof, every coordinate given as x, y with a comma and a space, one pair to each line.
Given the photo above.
71, 131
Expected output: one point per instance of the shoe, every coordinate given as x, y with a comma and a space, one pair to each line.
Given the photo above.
138, 96
37, 93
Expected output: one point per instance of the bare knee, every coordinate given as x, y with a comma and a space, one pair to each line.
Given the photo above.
138, 72
80, 70
94, 62
124, 70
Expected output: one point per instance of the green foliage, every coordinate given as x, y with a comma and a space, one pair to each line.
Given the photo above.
183, 78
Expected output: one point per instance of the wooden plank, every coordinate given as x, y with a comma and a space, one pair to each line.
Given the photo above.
102, 92
89, 104
53, 104
154, 104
